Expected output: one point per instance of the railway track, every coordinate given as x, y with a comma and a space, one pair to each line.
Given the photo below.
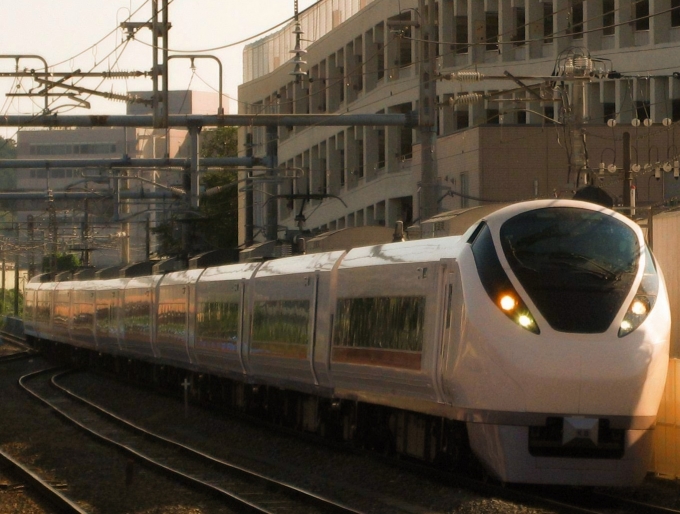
246, 490
22, 349
44, 490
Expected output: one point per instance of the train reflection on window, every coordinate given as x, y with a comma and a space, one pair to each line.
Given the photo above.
393, 323
172, 321
137, 317
104, 319
217, 321
283, 321
42, 307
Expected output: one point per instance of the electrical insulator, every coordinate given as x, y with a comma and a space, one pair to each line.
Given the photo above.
657, 171
667, 166
601, 172
676, 169
611, 168
466, 99
635, 168
466, 76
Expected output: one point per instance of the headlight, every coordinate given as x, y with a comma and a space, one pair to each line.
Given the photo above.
644, 299
496, 281
515, 309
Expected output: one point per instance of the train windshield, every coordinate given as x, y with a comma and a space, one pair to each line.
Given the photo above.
576, 265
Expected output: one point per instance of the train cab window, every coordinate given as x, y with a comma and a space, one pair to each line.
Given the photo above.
389, 323
577, 265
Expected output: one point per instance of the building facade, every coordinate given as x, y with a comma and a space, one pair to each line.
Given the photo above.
105, 232
496, 140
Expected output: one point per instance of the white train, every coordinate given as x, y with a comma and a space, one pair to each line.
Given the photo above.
540, 337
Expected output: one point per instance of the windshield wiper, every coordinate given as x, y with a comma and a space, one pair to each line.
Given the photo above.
595, 268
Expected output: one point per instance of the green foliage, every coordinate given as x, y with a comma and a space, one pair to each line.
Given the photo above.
217, 225
7, 302
64, 262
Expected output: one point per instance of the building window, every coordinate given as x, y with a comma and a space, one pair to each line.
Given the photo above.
608, 17
461, 45
549, 113
406, 143
642, 110
547, 22
576, 20
405, 47
493, 116
360, 159
675, 13
676, 109
609, 109
642, 15
518, 36
462, 119
341, 156
492, 31
522, 117
464, 191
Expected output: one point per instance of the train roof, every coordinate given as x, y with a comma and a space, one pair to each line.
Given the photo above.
407, 251
307, 263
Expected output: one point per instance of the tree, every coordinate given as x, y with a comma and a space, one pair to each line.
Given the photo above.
216, 224
220, 211
64, 262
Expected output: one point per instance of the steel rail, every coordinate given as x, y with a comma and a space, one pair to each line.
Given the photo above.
284, 495
39, 486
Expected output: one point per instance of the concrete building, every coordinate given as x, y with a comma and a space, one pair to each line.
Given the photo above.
92, 224
362, 57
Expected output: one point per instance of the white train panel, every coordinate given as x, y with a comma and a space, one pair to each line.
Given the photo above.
83, 313
175, 314
109, 331
282, 315
138, 315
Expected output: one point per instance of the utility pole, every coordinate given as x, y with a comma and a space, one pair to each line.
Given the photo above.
160, 29
628, 199
249, 224
271, 214
427, 109
16, 285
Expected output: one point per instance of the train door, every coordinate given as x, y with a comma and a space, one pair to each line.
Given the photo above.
314, 315
452, 314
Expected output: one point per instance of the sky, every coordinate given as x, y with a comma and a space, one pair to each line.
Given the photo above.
68, 35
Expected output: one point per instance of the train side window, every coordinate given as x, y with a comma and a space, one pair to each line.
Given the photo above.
280, 328
218, 320
389, 323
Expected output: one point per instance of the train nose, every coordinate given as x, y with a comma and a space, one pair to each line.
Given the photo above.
624, 377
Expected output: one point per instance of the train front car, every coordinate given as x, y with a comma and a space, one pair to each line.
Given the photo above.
563, 351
